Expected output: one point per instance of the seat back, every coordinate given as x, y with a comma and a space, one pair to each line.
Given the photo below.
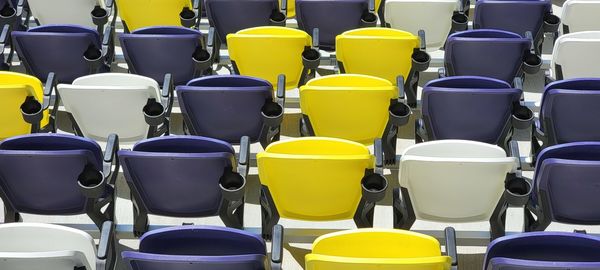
567, 169
45, 246
381, 52
468, 108
485, 52
303, 175
265, 52
156, 51
178, 175
326, 102
38, 172
433, 16
62, 53
575, 56
435, 173
543, 250
231, 16
376, 249
144, 13
332, 17
225, 107
517, 16
578, 16
566, 109
64, 11
14, 89
107, 103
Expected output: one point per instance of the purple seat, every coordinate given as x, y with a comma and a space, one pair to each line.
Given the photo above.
198, 247
468, 108
156, 51
566, 186
543, 251
182, 176
488, 53
62, 52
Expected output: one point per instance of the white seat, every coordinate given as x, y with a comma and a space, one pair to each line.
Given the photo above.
580, 15
64, 11
576, 55
433, 16
107, 103
454, 180
33, 246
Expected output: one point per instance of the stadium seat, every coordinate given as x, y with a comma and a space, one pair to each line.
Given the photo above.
578, 16
131, 106
24, 104
385, 53
69, 51
53, 247
458, 181
437, 17
268, 51
203, 181
490, 53
72, 176
333, 17
377, 110
227, 107
518, 16
90, 13
156, 51
320, 179
543, 251
291, 7
204, 247
381, 249
471, 108
566, 184
138, 14
576, 55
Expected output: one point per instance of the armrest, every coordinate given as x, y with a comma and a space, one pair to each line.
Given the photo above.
450, 236
20, 8
400, 85
422, 40
372, 6
110, 153
167, 94
210, 41
106, 254
277, 247
283, 7
531, 62
281, 90
244, 158
420, 58
4, 41
514, 152
196, 6
378, 151
315, 39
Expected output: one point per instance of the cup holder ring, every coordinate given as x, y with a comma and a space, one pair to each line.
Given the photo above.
551, 23
277, 18
31, 110
420, 60
311, 58
368, 19
522, 117
399, 114
532, 64
99, 16
91, 182
272, 114
232, 186
188, 17
517, 191
7, 14
374, 187
460, 22
154, 113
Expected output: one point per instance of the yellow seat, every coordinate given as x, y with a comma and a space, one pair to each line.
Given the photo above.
144, 13
347, 106
376, 249
14, 89
265, 52
291, 7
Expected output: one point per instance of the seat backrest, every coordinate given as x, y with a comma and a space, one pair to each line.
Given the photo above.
45, 246
62, 53
230, 16
578, 15
107, 103
332, 17
225, 107
566, 169
433, 16
144, 13
468, 108
156, 51
326, 102
485, 52
435, 172
265, 52
517, 16
64, 11
577, 55
304, 174
566, 109
291, 5
543, 250
178, 175
14, 89
376, 249
381, 52
38, 172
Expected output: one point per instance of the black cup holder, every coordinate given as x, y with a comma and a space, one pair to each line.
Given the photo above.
517, 191
420, 61
93, 56
31, 110
99, 16
201, 58
399, 114
277, 18
7, 14
272, 113
532, 63
374, 187
522, 117
232, 186
154, 113
368, 19
460, 22
551, 23
188, 17
91, 182
311, 58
